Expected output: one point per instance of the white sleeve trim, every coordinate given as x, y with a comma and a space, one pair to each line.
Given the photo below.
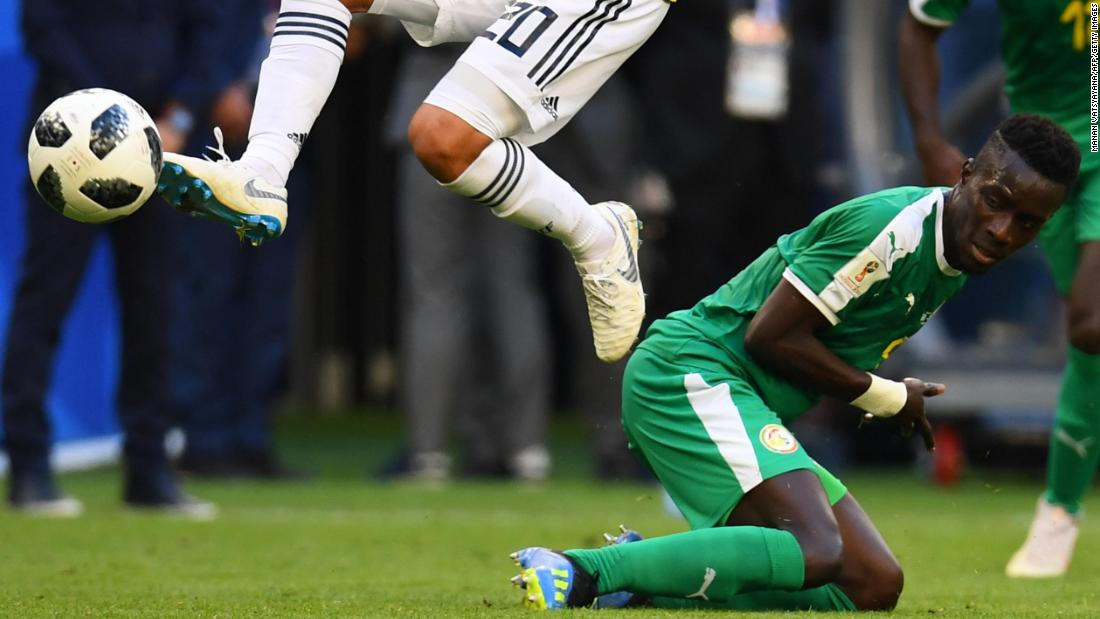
916, 7
812, 297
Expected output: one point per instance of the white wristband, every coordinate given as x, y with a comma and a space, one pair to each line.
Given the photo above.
884, 398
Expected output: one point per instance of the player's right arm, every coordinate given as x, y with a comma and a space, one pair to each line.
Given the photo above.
919, 68
783, 338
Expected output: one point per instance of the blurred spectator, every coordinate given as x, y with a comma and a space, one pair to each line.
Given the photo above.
731, 144
160, 53
346, 289
473, 333
232, 302
595, 153
733, 133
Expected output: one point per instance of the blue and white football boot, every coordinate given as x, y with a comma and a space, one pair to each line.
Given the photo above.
225, 191
551, 580
618, 599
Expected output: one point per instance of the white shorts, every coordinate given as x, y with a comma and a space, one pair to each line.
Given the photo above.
549, 58
457, 21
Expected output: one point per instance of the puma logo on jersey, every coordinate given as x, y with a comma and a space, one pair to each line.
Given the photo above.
708, 578
894, 249
925, 317
550, 104
1080, 447
911, 299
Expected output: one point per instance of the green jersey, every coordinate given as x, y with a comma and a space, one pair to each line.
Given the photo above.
874, 266
1045, 50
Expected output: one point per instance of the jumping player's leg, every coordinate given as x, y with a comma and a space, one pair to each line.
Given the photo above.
505, 176
306, 52
515, 86
296, 79
483, 163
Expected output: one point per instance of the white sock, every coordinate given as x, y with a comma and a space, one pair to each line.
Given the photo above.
509, 179
295, 81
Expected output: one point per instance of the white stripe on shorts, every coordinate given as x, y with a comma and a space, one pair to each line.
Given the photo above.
715, 408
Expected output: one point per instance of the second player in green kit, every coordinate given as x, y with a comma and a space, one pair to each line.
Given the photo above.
1046, 50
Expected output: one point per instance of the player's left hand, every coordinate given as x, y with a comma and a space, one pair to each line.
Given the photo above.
911, 417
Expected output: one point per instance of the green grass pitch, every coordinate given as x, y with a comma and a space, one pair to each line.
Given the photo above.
345, 547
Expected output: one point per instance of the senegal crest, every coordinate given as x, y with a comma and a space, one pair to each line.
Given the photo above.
778, 439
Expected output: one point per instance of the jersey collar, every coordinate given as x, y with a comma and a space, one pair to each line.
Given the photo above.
941, 260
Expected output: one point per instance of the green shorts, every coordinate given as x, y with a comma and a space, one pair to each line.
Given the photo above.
707, 435
1078, 221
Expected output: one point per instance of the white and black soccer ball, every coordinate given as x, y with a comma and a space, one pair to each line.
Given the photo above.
95, 155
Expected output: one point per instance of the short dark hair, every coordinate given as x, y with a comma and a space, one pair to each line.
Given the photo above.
1042, 145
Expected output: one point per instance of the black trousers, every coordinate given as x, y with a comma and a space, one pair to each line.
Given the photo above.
729, 210
52, 268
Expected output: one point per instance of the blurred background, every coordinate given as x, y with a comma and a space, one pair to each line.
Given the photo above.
358, 316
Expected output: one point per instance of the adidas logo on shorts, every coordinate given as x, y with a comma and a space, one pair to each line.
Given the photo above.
550, 104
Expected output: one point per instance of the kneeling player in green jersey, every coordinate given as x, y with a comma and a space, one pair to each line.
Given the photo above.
708, 393
1045, 46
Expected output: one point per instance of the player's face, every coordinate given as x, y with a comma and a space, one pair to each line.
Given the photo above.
998, 207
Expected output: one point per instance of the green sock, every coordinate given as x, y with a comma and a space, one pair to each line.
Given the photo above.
1075, 437
827, 597
708, 564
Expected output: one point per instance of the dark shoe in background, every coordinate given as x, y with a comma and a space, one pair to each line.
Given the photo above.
37, 494
395, 467
265, 465
622, 469
243, 466
212, 466
156, 488
432, 469
484, 470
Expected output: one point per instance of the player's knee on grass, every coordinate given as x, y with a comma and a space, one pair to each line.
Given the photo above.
796, 502
880, 586
822, 554
444, 143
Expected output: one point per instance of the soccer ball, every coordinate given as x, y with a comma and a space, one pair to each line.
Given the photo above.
94, 155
